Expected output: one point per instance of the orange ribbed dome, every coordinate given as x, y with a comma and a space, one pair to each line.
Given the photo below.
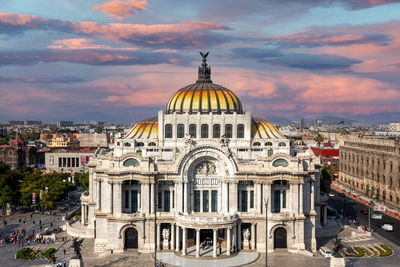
263, 129
146, 129
204, 96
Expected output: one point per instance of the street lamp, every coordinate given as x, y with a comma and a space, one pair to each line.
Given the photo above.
266, 231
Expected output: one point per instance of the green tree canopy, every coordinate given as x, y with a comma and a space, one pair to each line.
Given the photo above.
82, 179
319, 139
326, 178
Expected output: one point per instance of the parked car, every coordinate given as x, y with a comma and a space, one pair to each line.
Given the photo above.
376, 216
326, 252
387, 227
331, 194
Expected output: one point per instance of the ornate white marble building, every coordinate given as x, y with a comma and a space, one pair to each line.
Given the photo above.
206, 168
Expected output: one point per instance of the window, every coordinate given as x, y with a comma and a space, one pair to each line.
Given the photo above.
127, 144
282, 144
130, 162
159, 200
214, 201
139, 144
126, 199
270, 152
277, 201
205, 201
167, 200
228, 131
180, 130
284, 199
240, 131
152, 144
168, 131
244, 200
280, 163
256, 144
216, 131
134, 201
197, 201
252, 199
204, 131
268, 144
192, 130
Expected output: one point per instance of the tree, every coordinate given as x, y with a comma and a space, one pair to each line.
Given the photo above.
82, 179
326, 178
9, 184
319, 139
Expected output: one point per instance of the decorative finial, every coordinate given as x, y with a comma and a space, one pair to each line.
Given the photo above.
204, 70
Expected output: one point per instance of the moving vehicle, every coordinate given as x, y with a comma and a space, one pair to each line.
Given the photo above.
331, 194
387, 227
326, 252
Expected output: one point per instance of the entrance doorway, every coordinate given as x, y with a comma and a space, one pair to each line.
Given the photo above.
280, 238
131, 238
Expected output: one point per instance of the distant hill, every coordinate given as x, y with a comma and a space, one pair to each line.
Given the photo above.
278, 120
331, 120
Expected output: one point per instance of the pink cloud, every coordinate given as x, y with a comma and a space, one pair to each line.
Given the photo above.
82, 43
121, 9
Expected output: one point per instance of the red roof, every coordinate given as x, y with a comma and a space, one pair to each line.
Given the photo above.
328, 144
325, 152
17, 141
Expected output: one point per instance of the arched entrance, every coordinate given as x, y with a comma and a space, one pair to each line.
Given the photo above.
280, 237
131, 238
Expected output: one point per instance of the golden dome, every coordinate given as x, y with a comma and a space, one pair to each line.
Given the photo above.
204, 96
146, 129
263, 129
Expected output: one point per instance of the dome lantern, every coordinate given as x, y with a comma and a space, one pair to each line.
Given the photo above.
204, 70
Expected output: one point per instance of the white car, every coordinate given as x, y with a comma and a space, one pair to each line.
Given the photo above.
376, 216
326, 252
331, 195
387, 227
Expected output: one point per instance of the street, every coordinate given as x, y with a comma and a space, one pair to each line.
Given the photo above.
354, 210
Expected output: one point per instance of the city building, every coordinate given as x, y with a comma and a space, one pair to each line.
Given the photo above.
16, 122
64, 141
17, 154
68, 160
371, 164
328, 155
32, 122
206, 168
94, 140
394, 127
61, 124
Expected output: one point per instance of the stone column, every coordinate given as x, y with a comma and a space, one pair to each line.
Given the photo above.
312, 195
177, 238
152, 199
197, 243
98, 202
82, 214
184, 231
185, 199
259, 197
91, 189
191, 193
253, 236
172, 236
269, 196
228, 242
239, 236
117, 207
179, 197
176, 197
215, 243
301, 198
220, 196
233, 192
110, 207
139, 199
158, 236
225, 196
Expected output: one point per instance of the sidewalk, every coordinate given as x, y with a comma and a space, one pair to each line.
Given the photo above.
393, 212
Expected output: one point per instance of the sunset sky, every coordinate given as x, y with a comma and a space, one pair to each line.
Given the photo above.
121, 60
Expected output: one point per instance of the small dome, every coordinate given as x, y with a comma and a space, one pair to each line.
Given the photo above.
204, 96
263, 129
146, 129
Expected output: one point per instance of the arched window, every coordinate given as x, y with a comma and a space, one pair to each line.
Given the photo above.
216, 131
204, 131
282, 144
127, 144
240, 131
270, 152
180, 131
268, 144
256, 144
228, 130
152, 144
118, 143
139, 144
280, 163
192, 130
131, 162
168, 131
